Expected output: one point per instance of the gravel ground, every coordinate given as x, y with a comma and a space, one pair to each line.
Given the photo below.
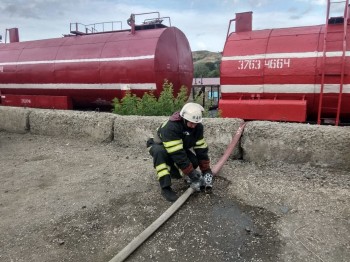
74, 200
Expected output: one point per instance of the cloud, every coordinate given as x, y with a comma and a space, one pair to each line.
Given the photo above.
258, 3
205, 23
204, 31
38, 9
314, 2
14, 11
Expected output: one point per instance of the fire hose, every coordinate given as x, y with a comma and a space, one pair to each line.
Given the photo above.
134, 244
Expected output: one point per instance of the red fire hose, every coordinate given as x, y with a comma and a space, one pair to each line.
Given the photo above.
134, 244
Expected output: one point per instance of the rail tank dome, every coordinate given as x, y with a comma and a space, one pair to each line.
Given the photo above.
287, 74
90, 69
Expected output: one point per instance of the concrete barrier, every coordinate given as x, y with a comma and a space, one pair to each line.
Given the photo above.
271, 142
262, 141
135, 130
14, 119
74, 124
219, 132
132, 131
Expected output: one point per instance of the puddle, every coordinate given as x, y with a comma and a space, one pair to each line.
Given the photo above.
235, 224
211, 227
214, 228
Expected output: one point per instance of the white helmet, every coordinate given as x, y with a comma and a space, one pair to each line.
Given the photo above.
192, 112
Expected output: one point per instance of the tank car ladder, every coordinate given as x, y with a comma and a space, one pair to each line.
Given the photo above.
324, 58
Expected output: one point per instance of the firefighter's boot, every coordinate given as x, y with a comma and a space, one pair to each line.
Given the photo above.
169, 194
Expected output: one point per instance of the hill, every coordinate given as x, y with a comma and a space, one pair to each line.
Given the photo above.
204, 56
206, 63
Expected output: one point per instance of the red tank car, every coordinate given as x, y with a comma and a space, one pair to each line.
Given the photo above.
87, 69
288, 74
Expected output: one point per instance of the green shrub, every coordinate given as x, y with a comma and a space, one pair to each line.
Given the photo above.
181, 98
148, 105
128, 105
166, 98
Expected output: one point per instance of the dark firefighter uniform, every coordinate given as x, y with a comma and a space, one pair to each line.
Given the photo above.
171, 152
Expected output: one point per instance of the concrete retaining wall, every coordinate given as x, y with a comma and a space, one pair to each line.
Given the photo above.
135, 130
324, 146
87, 125
219, 132
14, 119
262, 142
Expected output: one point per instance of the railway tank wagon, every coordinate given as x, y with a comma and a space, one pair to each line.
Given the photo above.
89, 69
287, 74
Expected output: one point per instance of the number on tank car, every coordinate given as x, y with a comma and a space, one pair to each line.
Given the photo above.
249, 64
253, 64
277, 63
26, 101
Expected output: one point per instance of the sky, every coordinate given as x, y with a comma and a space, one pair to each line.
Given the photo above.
204, 22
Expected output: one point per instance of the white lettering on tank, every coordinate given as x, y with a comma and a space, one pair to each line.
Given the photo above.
26, 101
253, 64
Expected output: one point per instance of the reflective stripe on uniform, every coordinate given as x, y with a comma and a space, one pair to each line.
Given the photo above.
173, 146
164, 123
162, 170
161, 167
163, 173
200, 144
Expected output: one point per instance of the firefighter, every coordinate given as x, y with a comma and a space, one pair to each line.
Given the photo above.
178, 148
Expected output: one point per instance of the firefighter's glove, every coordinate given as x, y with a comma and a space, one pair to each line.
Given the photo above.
195, 177
150, 142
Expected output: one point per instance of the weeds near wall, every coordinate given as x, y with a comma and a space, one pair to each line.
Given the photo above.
149, 105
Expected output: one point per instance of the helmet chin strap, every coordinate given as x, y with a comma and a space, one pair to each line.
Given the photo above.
185, 122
